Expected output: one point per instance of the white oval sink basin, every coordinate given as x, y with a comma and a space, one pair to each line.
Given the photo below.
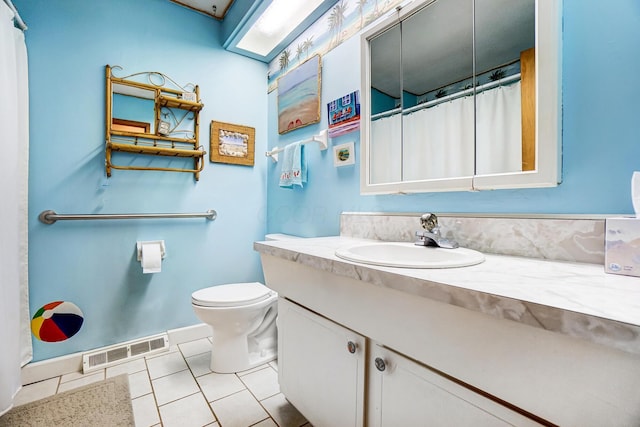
408, 255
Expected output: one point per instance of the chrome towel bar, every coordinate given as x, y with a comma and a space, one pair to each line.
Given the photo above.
50, 217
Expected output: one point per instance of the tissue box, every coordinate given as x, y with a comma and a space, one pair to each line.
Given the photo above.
622, 246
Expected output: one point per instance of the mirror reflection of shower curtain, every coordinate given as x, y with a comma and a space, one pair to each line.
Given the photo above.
499, 130
386, 149
438, 141
15, 335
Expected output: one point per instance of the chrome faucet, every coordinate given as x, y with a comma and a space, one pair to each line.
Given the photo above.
431, 236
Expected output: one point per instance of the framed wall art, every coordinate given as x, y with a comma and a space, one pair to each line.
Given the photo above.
299, 96
234, 144
344, 154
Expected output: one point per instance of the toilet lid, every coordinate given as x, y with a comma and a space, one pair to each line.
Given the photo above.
231, 295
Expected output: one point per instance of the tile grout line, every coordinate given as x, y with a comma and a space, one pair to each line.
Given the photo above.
254, 396
58, 385
201, 391
246, 388
260, 401
153, 392
265, 409
215, 416
268, 418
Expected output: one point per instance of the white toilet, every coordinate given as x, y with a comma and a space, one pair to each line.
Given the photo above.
242, 317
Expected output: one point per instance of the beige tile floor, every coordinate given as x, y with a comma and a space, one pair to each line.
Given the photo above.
178, 389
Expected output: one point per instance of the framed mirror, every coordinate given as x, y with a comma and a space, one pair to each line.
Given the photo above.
145, 110
461, 95
504, 35
386, 111
133, 109
437, 110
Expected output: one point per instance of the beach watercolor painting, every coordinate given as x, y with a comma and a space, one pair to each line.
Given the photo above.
299, 96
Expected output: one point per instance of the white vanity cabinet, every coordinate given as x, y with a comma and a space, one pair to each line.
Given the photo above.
445, 365
321, 367
405, 393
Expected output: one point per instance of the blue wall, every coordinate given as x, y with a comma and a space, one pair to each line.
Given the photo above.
93, 264
601, 132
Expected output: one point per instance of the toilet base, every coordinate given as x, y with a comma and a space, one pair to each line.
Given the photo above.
233, 354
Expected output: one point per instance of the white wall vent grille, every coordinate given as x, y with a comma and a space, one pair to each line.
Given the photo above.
140, 348
157, 343
98, 359
109, 356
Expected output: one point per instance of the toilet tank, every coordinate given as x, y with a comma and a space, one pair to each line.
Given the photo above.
280, 236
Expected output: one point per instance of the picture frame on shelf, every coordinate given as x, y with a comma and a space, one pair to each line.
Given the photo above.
232, 143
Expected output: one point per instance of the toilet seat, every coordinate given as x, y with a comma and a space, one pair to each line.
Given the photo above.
231, 295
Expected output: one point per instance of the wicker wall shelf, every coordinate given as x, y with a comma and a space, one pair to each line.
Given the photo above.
174, 131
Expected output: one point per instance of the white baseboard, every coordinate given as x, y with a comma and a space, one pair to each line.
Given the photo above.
189, 333
45, 369
50, 368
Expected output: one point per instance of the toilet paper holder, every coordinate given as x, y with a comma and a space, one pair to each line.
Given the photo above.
160, 242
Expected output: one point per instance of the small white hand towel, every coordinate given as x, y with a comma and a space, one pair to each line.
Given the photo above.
294, 166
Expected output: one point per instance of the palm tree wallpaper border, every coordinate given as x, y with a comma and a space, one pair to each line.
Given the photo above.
345, 20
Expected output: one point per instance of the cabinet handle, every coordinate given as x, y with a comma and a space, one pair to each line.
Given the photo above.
380, 365
351, 347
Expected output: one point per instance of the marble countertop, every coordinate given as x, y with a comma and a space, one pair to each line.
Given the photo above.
576, 299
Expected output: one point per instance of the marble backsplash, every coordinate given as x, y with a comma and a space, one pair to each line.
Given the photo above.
559, 238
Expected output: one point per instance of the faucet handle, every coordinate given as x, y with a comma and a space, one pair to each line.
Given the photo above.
429, 222
431, 236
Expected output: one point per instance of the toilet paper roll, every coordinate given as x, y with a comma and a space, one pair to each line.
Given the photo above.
151, 258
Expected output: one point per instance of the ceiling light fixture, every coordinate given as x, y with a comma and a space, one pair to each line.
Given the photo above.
277, 22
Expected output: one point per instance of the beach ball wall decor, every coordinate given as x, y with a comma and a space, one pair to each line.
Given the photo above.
56, 321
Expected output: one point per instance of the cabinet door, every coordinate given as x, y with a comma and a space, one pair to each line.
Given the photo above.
405, 393
320, 367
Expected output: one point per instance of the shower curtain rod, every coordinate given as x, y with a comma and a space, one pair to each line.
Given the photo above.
16, 16
505, 80
50, 217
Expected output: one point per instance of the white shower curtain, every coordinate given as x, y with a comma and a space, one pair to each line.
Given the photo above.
499, 130
438, 141
386, 149
15, 337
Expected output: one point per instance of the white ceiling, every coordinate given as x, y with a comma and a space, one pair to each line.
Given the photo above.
207, 6
238, 18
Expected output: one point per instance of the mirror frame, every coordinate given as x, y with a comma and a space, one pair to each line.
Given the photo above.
548, 169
